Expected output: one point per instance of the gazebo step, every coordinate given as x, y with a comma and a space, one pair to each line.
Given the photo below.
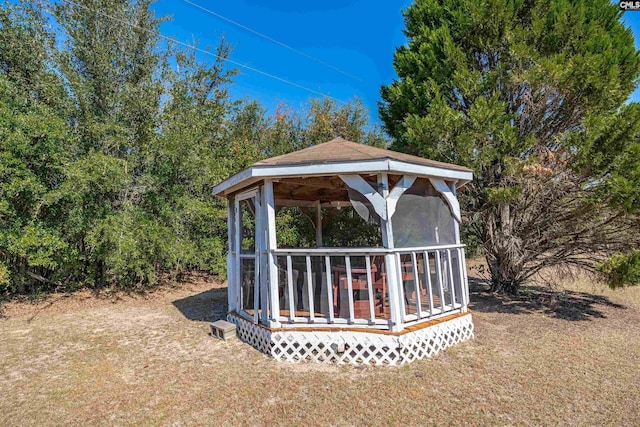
223, 330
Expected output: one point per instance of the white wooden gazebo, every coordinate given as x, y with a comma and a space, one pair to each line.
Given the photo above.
402, 297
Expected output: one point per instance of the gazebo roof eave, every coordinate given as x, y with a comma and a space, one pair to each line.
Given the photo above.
256, 173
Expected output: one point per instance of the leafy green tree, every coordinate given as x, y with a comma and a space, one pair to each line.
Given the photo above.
112, 63
32, 156
325, 121
254, 135
192, 155
34, 147
110, 143
526, 93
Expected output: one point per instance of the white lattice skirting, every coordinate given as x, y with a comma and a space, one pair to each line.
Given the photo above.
355, 347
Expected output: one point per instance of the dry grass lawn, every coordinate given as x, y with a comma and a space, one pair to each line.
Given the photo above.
567, 358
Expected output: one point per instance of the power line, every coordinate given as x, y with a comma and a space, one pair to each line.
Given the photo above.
279, 43
247, 67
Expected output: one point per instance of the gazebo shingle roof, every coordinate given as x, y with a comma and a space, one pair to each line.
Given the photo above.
341, 150
340, 156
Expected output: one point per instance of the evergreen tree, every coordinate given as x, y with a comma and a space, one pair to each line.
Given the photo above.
524, 92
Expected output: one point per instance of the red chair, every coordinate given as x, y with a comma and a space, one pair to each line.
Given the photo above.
359, 285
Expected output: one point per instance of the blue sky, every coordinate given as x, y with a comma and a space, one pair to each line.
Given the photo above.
632, 19
357, 36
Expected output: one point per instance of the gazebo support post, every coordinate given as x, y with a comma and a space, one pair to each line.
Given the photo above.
237, 245
456, 226
231, 256
274, 297
264, 259
396, 324
258, 260
462, 265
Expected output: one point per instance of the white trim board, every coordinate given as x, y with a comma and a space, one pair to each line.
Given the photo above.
358, 183
255, 173
451, 199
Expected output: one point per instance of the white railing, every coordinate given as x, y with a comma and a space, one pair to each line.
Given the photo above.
442, 281
350, 286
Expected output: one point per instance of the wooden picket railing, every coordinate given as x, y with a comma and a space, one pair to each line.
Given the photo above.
367, 286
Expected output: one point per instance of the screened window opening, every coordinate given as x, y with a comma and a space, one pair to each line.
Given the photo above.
422, 218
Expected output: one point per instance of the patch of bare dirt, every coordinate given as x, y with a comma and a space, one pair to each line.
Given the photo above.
569, 357
86, 299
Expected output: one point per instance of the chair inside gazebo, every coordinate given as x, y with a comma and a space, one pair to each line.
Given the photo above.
333, 261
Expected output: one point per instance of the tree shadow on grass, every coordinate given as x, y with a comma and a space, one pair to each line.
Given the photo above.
565, 304
207, 306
